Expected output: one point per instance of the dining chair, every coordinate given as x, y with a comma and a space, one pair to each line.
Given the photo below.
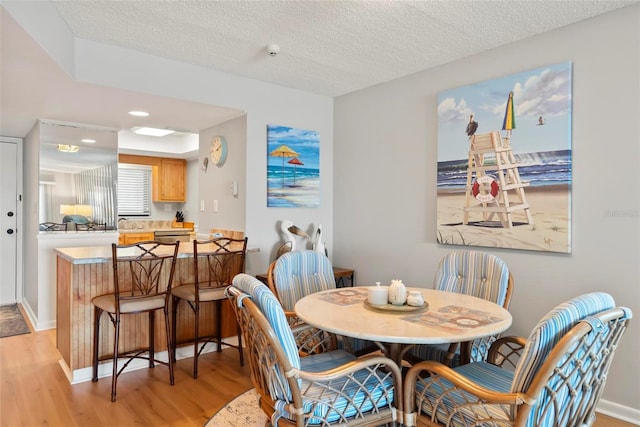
52, 226
553, 378
92, 226
215, 263
296, 274
474, 273
142, 278
325, 389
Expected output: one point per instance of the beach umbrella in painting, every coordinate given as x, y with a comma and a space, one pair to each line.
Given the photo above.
295, 162
509, 122
283, 151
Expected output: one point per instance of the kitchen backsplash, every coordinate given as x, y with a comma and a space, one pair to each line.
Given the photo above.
135, 224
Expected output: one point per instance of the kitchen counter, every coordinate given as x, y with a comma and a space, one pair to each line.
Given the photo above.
102, 254
86, 272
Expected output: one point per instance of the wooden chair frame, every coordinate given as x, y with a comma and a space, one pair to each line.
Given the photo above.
577, 365
269, 364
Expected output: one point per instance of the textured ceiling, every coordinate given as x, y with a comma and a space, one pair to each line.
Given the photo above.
327, 47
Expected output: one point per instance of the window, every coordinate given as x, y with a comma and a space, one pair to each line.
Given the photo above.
134, 190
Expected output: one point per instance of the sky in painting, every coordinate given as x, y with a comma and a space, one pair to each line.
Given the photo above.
304, 142
544, 91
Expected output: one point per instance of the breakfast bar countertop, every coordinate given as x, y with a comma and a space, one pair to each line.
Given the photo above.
102, 254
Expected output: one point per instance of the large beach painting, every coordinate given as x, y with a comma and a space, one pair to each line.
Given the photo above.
504, 162
293, 167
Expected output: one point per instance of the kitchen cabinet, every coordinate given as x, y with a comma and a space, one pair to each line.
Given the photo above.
168, 176
129, 238
169, 180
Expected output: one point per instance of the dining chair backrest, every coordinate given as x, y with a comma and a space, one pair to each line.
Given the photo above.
566, 359
52, 226
475, 273
297, 274
551, 329
217, 261
143, 270
270, 307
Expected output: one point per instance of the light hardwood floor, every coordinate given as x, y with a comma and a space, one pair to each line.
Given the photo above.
34, 390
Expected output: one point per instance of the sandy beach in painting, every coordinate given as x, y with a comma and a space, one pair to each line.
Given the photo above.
550, 209
306, 193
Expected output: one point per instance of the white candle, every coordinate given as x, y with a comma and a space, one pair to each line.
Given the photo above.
378, 295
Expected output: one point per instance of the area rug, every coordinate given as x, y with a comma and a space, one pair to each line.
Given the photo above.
241, 411
11, 321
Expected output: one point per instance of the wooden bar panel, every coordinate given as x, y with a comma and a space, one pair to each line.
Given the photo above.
78, 284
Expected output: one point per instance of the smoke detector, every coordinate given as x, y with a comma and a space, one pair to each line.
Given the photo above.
273, 49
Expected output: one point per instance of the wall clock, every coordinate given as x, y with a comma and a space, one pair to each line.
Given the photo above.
218, 150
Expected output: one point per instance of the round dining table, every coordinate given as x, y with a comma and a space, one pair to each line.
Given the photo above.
446, 317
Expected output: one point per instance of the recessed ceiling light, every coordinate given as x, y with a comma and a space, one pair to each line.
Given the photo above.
152, 131
88, 141
139, 113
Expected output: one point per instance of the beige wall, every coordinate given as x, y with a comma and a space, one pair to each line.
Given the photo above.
385, 218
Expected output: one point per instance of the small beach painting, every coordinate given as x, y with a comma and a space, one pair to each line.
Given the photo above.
504, 162
293, 167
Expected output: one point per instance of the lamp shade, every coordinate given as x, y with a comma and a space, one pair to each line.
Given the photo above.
67, 209
84, 210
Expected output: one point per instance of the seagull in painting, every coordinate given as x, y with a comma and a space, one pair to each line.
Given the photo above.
540, 121
472, 126
289, 232
318, 244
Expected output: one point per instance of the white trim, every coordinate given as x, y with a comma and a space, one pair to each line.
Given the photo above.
29, 312
620, 412
105, 369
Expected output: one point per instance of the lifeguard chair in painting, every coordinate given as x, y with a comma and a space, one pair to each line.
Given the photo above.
492, 178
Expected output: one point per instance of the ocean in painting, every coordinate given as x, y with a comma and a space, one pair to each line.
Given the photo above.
539, 169
292, 187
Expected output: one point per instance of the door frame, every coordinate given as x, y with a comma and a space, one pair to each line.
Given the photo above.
19, 213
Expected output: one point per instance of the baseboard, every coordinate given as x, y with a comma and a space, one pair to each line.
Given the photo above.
29, 312
620, 412
105, 369
33, 319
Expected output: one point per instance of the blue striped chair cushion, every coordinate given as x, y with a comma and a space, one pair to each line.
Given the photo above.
482, 373
319, 413
480, 274
301, 273
272, 310
474, 273
550, 329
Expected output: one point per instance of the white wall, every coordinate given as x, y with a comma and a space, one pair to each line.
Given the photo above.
385, 220
265, 103
215, 183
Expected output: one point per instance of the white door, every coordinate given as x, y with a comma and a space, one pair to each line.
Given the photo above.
8, 222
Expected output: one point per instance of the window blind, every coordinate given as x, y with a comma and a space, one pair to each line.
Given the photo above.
134, 190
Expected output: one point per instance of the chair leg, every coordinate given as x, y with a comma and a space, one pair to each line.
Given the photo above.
196, 338
152, 339
97, 313
174, 322
219, 324
114, 375
241, 354
170, 346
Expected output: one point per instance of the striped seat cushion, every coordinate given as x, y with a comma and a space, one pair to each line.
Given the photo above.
482, 373
479, 274
301, 273
351, 399
272, 310
551, 328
